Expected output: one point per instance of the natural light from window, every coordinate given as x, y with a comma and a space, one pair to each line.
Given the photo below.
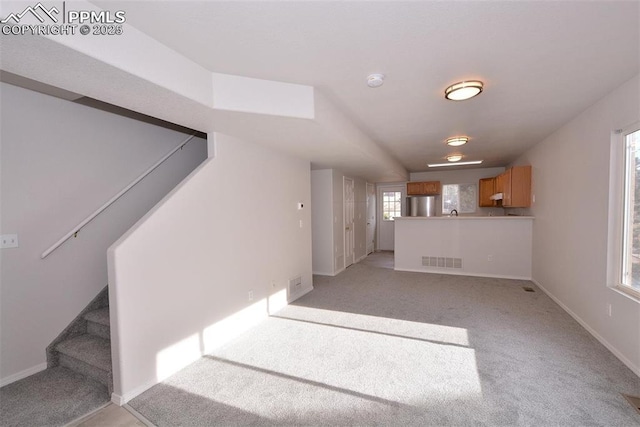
391, 205
631, 222
461, 197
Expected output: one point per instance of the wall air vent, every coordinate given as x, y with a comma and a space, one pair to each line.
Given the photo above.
295, 285
441, 262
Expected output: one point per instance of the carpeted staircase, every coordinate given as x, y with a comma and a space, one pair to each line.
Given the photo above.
78, 378
85, 345
90, 353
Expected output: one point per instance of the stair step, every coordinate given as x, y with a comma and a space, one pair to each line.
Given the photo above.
100, 316
90, 349
87, 370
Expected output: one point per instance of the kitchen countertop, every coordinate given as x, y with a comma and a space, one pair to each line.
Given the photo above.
446, 217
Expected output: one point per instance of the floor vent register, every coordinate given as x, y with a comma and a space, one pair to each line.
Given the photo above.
634, 401
442, 262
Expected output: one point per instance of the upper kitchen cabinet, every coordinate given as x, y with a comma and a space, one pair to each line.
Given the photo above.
429, 188
487, 187
515, 186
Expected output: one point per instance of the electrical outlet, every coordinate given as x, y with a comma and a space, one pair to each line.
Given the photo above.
250, 295
490, 258
8, 241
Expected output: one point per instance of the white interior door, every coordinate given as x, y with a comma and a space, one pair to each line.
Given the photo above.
390, 205
349, 214
371, 217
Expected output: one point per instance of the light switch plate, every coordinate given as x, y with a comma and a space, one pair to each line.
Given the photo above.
8, 241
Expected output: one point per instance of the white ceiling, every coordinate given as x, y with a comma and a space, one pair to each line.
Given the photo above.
542, 62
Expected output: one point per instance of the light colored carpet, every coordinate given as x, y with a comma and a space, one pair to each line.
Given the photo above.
373, 346
53, 397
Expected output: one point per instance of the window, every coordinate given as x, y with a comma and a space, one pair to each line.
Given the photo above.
461, 197
630, 274
391, 205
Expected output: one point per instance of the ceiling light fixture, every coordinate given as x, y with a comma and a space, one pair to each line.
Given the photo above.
454, 157
463, 90
437, 165
375, 80
456, 141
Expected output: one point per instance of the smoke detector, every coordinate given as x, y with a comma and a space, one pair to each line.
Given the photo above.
375, 80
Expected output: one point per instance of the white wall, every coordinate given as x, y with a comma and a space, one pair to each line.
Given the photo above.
234, 228
338, 221
571, 190
328, 220
59, 162
322, 221
488, 246
464, 176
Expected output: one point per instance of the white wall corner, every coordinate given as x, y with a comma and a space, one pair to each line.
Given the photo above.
141, 55
248, 95
300, 294
211, 145
123, 399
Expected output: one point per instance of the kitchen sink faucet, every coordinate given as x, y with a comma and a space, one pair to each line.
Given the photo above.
453, 211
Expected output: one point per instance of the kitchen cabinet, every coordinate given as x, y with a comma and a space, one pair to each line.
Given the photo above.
499, 184
487, 188
428, 188
516, 187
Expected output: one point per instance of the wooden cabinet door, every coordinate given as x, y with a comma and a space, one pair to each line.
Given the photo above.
414, 188
520, 187
431, 188
487, 189
506, 188
517, 187
499, 186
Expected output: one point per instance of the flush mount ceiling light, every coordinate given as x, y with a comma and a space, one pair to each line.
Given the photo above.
375, 80
457, 141
437, 165
463, 90
454, 157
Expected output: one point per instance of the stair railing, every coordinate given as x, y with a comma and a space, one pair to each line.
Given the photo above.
74, 231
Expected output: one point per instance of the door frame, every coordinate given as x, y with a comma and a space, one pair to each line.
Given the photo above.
344, 222
380, 188
375, 218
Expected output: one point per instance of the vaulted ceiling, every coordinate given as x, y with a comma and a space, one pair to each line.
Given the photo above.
542, 64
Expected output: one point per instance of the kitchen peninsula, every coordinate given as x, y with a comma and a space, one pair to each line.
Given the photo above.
491, 246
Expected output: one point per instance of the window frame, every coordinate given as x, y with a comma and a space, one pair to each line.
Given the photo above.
392, 218
460, 211
618, 210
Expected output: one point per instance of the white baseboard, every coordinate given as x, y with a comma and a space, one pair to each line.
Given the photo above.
121, 400
322, 273
23, 374
604, 342
300, 294
465, 273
